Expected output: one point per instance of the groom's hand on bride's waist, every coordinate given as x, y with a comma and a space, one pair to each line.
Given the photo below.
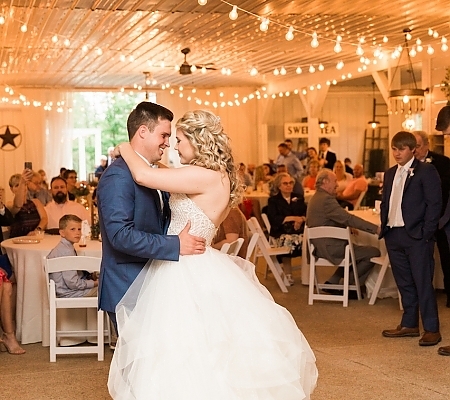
190, 244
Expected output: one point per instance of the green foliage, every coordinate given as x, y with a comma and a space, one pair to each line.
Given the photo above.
106, 111
446, 83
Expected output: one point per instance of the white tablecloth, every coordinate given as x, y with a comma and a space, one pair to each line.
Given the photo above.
32, 314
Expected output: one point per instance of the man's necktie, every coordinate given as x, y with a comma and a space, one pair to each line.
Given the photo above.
396, 196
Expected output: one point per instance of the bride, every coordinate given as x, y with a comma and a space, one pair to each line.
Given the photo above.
202, 328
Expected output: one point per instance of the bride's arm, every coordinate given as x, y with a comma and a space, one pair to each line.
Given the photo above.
188, 180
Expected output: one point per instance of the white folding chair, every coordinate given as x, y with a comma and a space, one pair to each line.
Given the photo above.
328, 232
270, 254
59, 264
250, 256
385, 264
232, 248
272, 240
360, 199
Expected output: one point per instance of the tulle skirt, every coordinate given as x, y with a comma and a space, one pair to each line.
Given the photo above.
204, 328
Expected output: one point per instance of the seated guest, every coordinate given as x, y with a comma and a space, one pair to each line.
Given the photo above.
75, 189
71, 283
101, 167
350, 195
8, 338
6, 217
245, 178
343, 178
263, 177
324, 210
348, 165
29, 215
37, 191
286, 212
309, 181
62, 170
44, 182
61, 205
234, 226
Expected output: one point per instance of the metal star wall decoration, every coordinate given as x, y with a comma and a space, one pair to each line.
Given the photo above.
11, 137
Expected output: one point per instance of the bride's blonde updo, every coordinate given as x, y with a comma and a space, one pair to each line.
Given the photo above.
211, 147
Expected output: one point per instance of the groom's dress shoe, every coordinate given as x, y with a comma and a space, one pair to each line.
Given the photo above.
444, 351
430, 339
401, 331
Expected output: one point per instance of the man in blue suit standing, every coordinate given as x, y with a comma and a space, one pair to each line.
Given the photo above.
134, 219
410, 210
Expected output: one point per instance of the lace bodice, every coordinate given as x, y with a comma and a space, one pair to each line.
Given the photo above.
184, 209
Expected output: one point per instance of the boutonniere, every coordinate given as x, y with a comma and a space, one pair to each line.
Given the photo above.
429, 160
294, 199
410, 172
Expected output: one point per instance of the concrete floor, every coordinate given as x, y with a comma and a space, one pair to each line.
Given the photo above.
354, 360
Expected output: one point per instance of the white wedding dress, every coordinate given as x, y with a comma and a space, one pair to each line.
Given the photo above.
204, 328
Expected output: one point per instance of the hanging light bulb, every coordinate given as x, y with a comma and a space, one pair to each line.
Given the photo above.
99, 51
290, 34
408, 36
233, 13
435, 34
24, 28
283, 71
312, 69
314, 41
405, 99
276, 72
253, 71
340, 65
204, 70
55, 39
321, 67
413, 52
430, 32
122, 58
338, 38
430, 49
202, 2
2, 19
67, 42
337, 48
298, 70
359, 50
264, 25
385, 39
444, 47
193, 68
84, 48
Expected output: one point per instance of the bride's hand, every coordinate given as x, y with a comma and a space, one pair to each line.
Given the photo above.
117, 149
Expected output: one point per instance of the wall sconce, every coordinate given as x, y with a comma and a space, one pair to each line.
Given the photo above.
322, 124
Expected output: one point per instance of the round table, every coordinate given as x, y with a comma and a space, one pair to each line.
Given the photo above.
32, 313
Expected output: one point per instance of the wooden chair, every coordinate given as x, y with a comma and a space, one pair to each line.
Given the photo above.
60, 264
385, 264
232, 248
324, 232
270, 254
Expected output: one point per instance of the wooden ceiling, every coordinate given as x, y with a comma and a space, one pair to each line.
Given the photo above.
108, 44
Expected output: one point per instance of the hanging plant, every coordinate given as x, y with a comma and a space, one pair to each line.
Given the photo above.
446, 85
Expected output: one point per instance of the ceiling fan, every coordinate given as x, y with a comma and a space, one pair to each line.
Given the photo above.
187, 69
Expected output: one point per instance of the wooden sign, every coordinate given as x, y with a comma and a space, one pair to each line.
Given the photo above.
300, 130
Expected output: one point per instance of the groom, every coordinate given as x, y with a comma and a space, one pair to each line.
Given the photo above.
134, 219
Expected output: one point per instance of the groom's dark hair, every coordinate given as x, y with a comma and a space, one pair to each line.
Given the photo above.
148, 114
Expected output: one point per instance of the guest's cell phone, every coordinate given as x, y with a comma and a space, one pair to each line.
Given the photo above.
28, 165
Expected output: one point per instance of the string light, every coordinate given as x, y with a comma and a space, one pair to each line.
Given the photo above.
337, 47
312, 69
314, 41
202, 2
233, 13
2, 19
264, 25
24, 28
290, 34
298, 70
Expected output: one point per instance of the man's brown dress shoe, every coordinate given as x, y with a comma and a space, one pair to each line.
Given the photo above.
401, 331
430, 339
444, 351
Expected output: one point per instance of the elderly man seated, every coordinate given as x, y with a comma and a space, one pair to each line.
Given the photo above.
354, 188
324, 210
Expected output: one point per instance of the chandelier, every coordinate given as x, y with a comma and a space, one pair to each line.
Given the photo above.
412, 100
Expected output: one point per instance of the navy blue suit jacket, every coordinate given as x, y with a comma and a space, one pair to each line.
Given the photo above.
421, 201
133, 229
